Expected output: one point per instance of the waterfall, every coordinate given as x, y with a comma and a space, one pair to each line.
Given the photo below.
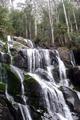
72, 59
41, 58
40, 64
24, 108
45, 59
52, 93
62, 71
10, 45
38, 58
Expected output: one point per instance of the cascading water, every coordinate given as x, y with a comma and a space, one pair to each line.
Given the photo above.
58, 109
40, 64
10, 45
42, 58
62, 71
38, 58
24, 109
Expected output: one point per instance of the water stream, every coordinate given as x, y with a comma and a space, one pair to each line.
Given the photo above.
41, 64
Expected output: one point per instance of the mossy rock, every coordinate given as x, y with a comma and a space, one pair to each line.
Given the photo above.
13, 81
35, 95
2, 87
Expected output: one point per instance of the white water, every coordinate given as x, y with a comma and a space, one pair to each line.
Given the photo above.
29, 42
38, 58
10, 45
72, 59
25, 112
23, 108
48, 62
55, 103
62, 71
48, 86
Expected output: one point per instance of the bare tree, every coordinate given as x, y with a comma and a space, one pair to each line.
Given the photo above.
51, 21
4, 3
66, 19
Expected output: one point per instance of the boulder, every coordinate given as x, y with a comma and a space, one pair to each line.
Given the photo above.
2, 87
14, 81
76, 53
5, 58
65, 56
5, 113
26, 42
36, 100
72, 100
20, 60
74, 76
9, 111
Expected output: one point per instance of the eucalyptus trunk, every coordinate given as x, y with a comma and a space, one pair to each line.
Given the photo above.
66, 19
35, 28
51, 22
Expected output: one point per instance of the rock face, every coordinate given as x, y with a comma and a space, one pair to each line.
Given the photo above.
33, 90
73, 101
5, 58
5, 113
26, 42
77, 56
65, 56
20, 60
71, 98
74, 76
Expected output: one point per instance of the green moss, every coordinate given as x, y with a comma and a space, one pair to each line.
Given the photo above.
77, 88
14, 84
2, 87
34, 92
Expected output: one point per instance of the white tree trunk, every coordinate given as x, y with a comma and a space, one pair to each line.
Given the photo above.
66, 19
51, 22
56, 11
75, 20
35, 28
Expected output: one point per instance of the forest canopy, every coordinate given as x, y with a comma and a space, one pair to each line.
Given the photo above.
46, 22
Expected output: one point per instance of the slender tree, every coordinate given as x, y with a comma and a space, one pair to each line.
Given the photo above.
66, 19
51, 21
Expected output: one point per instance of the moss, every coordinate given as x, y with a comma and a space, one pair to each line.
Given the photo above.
14, 84
2, 87
34, 92
77, 88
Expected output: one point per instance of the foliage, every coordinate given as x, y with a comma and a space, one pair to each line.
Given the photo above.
2, 87
5, 24
21, 22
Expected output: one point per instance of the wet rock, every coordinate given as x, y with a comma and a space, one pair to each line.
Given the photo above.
76, 53
54, 60
2, 87
18, 46
56, 75
43, 74
26, 42
5, 58
20, 60
5, 113
74, 76
36, 100
19, 39
9, 111
13, 81
65, 56
72, 99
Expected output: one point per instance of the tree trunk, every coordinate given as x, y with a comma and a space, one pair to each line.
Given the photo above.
30, 35
66, 19
35, 28
75, 20
51, 22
